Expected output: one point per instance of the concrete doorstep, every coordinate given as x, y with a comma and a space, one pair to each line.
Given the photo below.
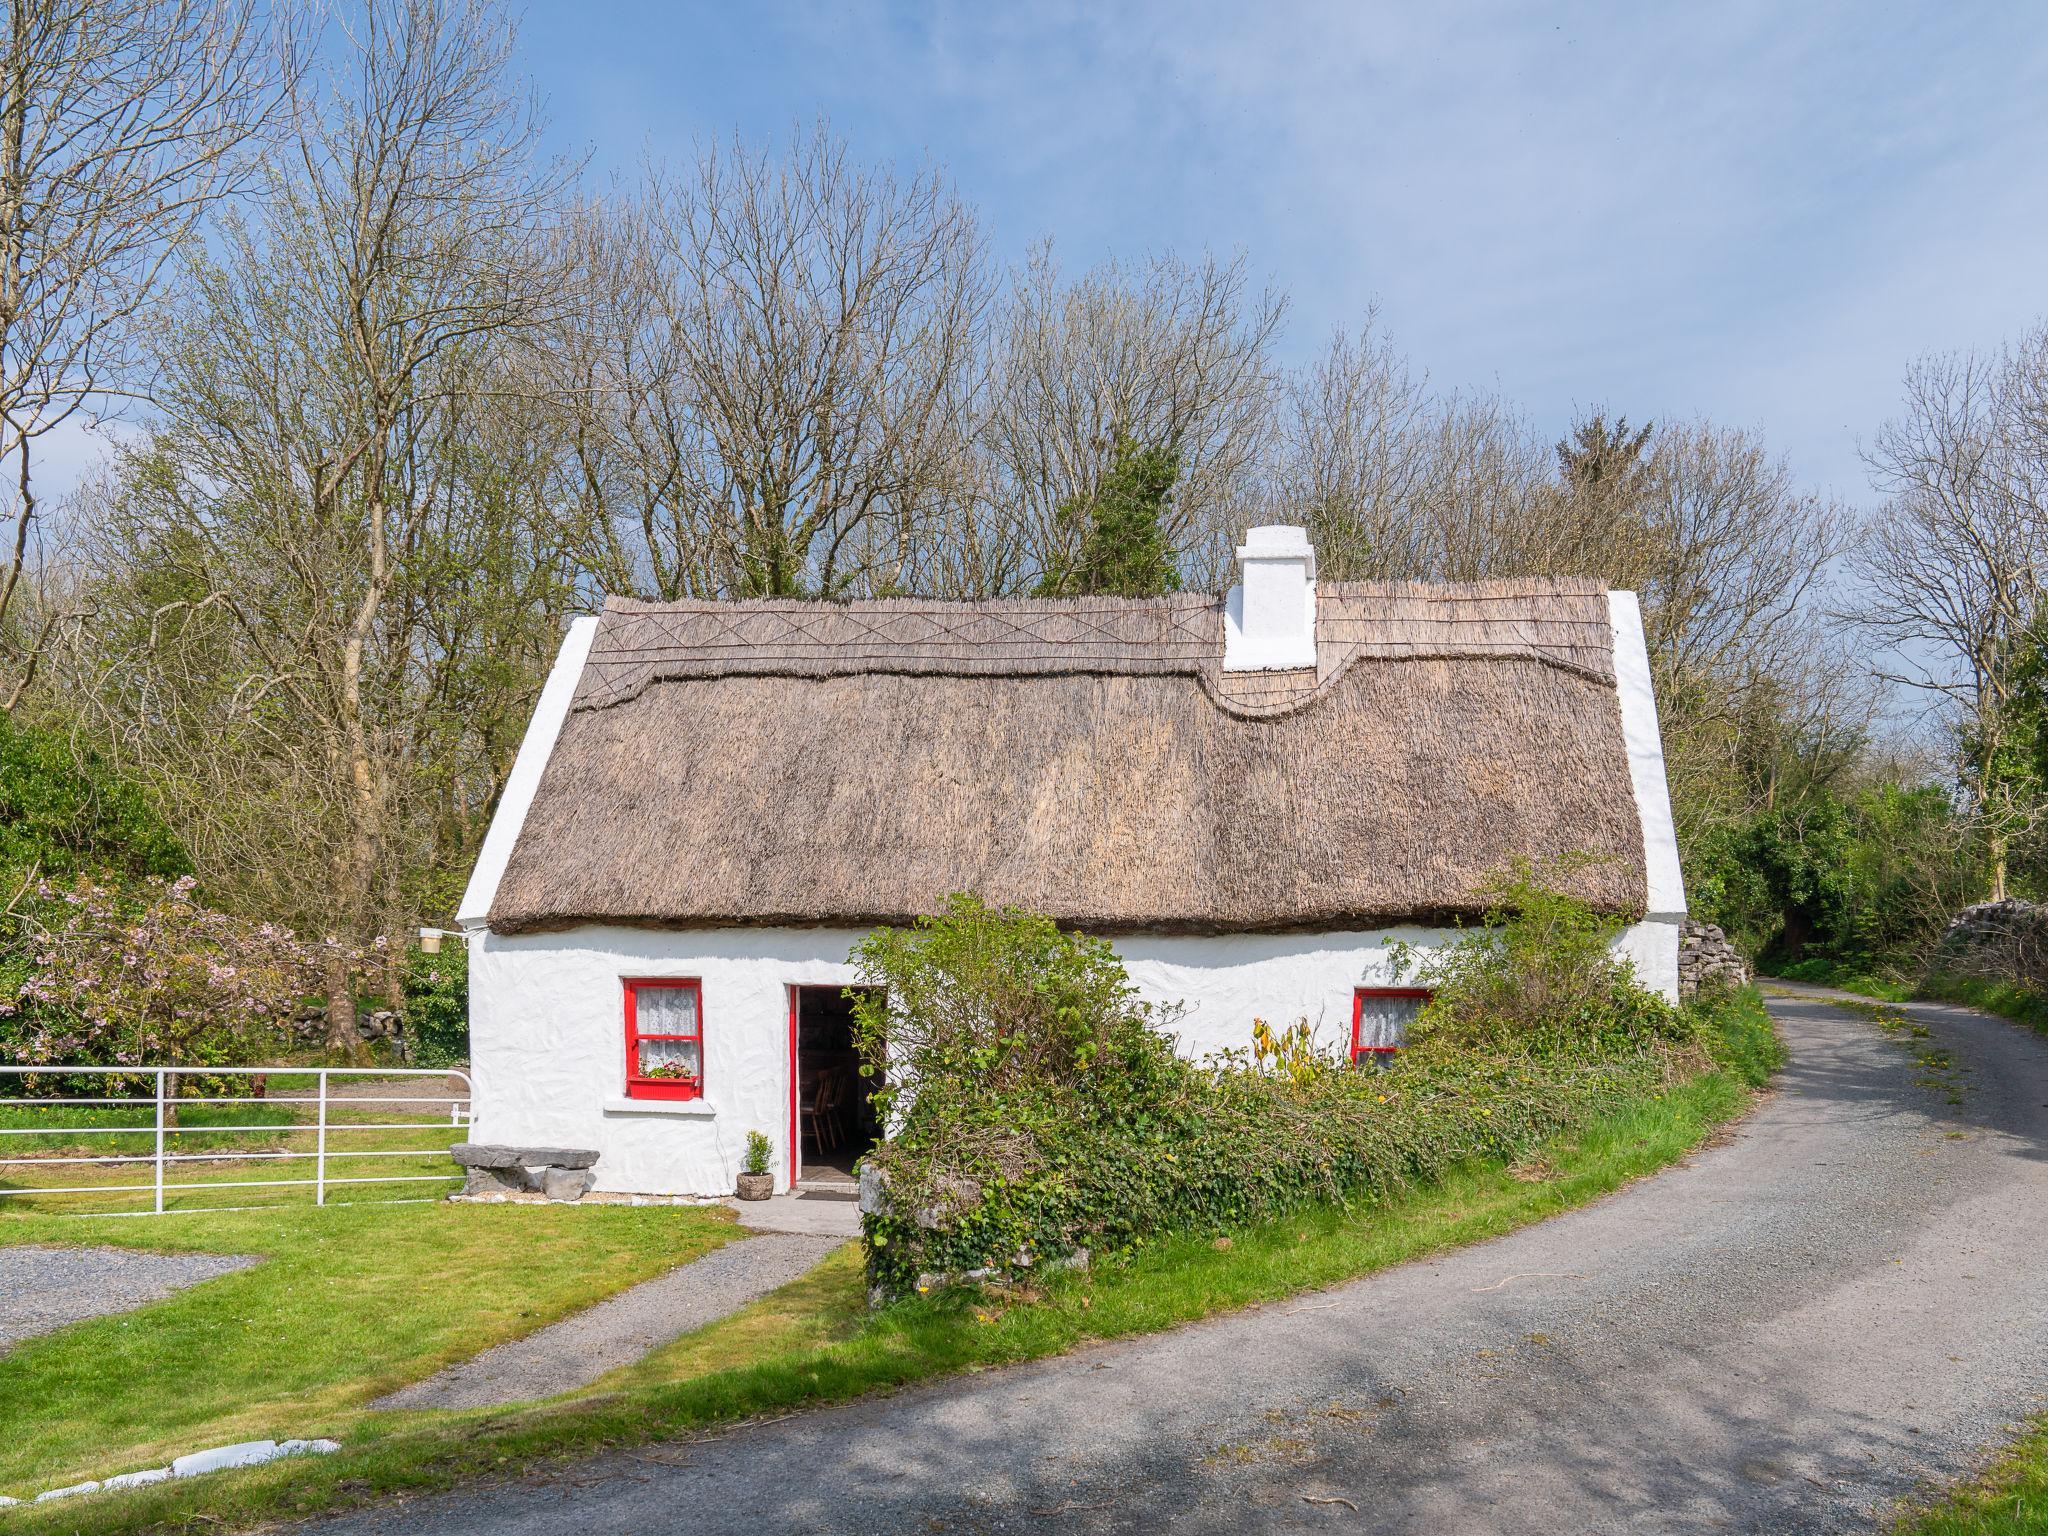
821, 1211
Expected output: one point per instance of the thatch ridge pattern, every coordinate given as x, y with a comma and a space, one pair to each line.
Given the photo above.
1558, 622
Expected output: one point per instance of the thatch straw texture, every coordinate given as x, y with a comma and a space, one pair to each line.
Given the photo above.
779, 763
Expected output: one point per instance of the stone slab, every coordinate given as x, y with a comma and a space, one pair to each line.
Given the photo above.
245, 1453
483, 1154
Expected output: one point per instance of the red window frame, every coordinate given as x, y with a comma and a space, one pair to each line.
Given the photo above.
653, 1087
1358, 997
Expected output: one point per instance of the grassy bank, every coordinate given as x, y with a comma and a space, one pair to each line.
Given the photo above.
815, 1342
2008, 1000
2009, 1499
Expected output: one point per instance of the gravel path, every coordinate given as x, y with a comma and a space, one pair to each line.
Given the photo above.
1781, 1335
42, 1289
620, 1329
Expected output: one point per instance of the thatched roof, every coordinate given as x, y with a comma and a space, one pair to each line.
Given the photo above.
811, 763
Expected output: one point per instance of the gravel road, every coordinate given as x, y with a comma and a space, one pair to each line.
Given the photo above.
1846, 1297
43, 1289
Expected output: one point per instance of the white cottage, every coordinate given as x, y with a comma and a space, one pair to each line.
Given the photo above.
1252, 797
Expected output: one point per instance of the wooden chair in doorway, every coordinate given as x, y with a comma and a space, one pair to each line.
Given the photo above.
827, 1098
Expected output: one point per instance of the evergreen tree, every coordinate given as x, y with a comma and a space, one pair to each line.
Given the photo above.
1604, 458
1124, 549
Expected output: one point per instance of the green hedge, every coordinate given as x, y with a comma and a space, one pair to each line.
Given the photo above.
436, 1008
1240, 1148
1050, 1113
63, 811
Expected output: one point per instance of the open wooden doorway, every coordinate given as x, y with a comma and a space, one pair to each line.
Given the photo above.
832, 1116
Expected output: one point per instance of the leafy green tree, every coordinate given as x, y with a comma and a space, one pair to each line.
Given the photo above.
63, 812
1862, 881
436, 1007
1124, 548
2008, 758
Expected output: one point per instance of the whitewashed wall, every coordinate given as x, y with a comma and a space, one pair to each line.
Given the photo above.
547, 1027
548, 1046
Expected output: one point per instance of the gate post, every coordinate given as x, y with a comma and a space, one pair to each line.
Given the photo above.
159, 1159
320, 1148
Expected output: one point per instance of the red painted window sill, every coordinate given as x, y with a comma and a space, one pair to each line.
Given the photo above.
653, 1088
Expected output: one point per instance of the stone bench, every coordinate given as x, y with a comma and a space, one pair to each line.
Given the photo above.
560, 1173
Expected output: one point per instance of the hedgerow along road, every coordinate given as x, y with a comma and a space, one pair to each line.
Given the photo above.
1846, 1298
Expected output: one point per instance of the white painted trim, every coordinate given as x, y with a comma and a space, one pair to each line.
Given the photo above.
534, 751
1665, 896
694, 1109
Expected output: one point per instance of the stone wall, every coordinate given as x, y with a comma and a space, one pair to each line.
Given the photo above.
2003, 940
1705, 955
1992, 923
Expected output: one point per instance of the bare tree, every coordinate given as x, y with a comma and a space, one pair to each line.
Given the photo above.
821, 331
1953, 562
1352, 458
1734, 554
616, 372
322, 382
1170, 355
121, 123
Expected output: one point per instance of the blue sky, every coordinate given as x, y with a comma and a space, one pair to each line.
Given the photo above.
1758, 213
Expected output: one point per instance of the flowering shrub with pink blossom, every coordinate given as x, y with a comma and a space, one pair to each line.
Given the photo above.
107, 975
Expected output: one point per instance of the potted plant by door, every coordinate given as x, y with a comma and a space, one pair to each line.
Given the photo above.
756, 1182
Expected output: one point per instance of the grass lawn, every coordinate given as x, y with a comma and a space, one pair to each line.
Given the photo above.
811, 1342
347, 1303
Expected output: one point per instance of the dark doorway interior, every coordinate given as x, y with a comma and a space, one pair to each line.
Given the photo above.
835, 1116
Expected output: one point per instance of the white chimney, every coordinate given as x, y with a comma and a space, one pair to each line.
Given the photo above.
1269, 618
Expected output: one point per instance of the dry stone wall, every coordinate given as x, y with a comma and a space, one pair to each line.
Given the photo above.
1705, 956
2003, 940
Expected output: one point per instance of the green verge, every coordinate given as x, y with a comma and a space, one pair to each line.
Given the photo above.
2022, 1005
2010, 1498
814, 1341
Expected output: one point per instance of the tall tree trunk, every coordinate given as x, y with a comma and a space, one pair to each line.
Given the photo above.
13, 129
342, 1034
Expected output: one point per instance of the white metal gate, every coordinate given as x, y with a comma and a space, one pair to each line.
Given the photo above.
323, 1107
